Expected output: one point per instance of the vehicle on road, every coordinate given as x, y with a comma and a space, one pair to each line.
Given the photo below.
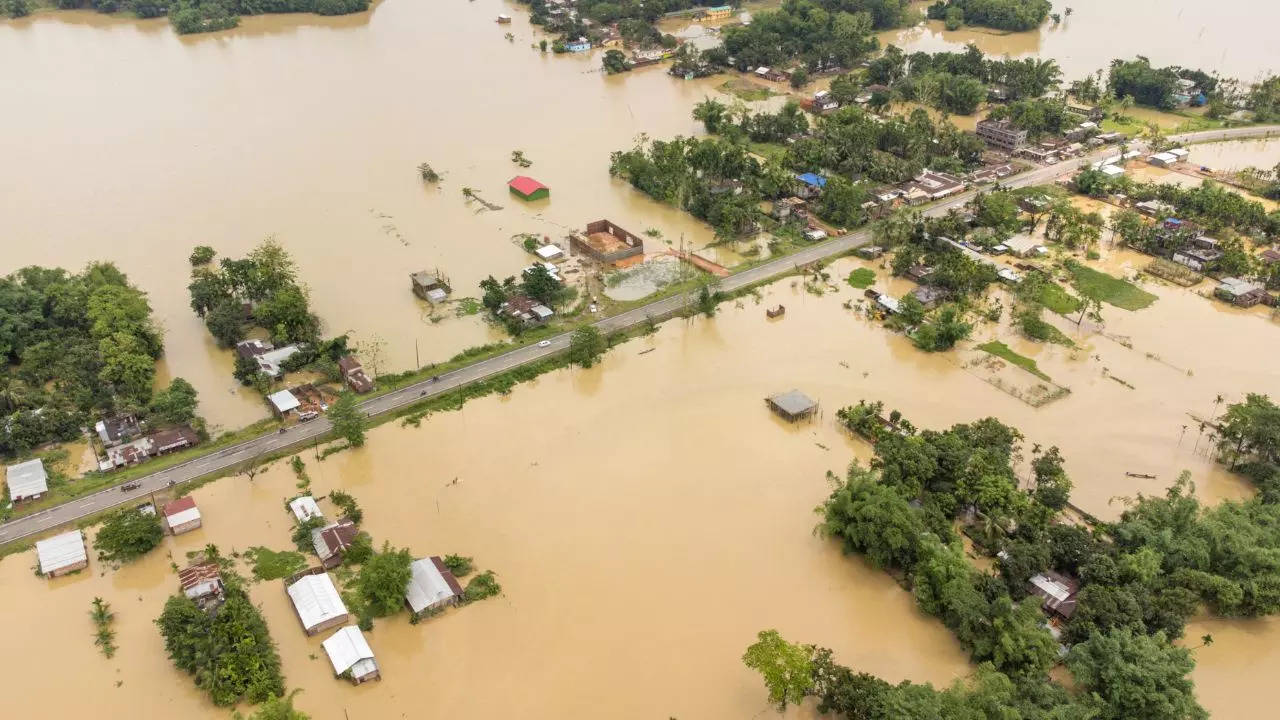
545, 343
130, 486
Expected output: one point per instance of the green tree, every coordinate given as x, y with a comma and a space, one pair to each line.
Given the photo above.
1136, 677
787, 668
347, 419
276, 708
202, 255
586, 346
175, 404
712, 113
382, 580
226, 322
615, 62
128, 535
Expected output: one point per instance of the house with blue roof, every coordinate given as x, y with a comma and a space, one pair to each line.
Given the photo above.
811, 185
580, 45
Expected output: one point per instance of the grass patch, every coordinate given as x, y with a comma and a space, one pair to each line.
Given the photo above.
769, 151
861, 278
1109, 289
746, 90
268, 564
1055, 298
1002, 351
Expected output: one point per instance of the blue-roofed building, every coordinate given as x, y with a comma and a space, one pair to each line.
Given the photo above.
811, 185
580, 45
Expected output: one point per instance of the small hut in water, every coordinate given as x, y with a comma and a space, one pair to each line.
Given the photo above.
431, 285
526, 188
776, 312
792, 406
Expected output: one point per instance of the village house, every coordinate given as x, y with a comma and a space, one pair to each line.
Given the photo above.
181, 515
116, 429
1111, 171
304, 508
823, 102
936, 185
27, 481
1201, 255
526, 188
575, 46
1001, 134
1154, 208
549, 252
765, 73
870, 252
268, 357
1082, 131
815, 234
282, 403
919, 273
431, 587
1240, 292
1057, 592
317, 602
792, 405
1163, 159
62, 554
810, 185
1025, 246
1088, 112
172, 439
331, 542
718, 12
202, 583
607, 243
990, 173
525, 310
252, 348
305, 401
885, 302
788, 207
1270, 256
148, 446
353, 374
430, 285
351, 655
929, 295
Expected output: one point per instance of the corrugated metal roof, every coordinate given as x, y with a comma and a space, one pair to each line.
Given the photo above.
61, 551
348, 650
427, 586
316, 600
182, 518
27, 479
284, 401
304, 508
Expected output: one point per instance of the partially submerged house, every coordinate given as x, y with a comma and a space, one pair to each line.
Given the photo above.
202, 583
181, 515
353, 374
332, 541
929, 295
792, 405
1024, 246
268, 357
306, 401
1057, 591
27, 481
526, 188
430, 285
431, 587
304, 508
1240, 292
62, 554
317, 602
810, 185
605, 242
351, 655
149, 446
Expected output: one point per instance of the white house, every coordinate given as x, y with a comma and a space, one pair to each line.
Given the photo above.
304, 508
431, 586
283, 402
27, 481
351, 655
317, 602
182, 515
62, 554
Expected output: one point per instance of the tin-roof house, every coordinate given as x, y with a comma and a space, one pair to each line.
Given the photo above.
1057, 591
62, 554
27, 481
431, 587
202, 583
351, 655
304, 508
317, 603
182, 515
331, 542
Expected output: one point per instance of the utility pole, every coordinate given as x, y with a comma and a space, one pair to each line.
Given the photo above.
416, 360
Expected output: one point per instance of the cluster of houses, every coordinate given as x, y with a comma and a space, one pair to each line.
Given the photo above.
304, 402
1009, 138
319, 606
67, 552
1201, 253
125, 442
928, 186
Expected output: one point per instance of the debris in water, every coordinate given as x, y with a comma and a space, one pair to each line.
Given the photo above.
1146, 476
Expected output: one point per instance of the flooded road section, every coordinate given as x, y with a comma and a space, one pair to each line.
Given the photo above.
311, 129
648, 516
1231, 37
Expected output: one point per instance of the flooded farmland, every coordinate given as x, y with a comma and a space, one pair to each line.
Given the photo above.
645, 517
631, 531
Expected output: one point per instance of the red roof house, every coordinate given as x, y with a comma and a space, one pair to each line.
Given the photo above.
181, 515
528, 188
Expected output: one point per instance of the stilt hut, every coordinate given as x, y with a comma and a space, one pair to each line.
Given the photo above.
792, 405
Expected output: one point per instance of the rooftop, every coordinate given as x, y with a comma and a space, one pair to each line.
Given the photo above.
431, 583
61, 551
348, 650
283, 401
304, 508
525, 185
793, 402
316, 600
27, 479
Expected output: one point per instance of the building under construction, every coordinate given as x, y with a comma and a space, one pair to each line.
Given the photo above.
607, 243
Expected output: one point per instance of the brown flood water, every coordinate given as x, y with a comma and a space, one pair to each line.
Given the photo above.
636, 519
1232, 37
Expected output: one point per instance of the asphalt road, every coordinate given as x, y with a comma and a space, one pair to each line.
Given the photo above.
300, 436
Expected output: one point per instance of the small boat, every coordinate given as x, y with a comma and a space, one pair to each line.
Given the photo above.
504, 19
1145, 476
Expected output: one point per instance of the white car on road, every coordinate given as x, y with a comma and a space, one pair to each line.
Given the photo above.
545, 343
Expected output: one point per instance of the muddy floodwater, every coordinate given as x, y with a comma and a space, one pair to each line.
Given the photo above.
1232, 37
646, 517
